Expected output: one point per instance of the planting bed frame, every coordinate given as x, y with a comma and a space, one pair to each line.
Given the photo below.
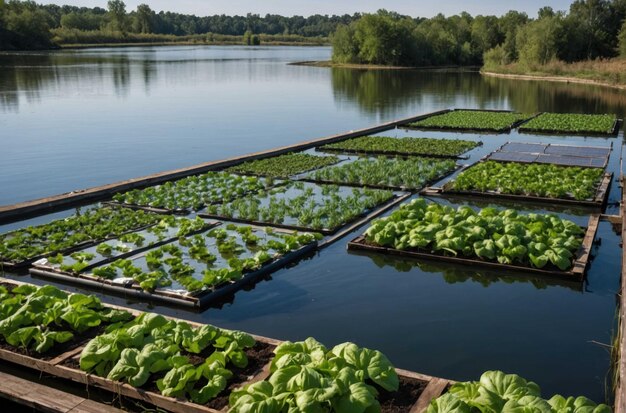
386, 187
395, 153
199, 300
482, 130
354, 223
21, 265
598, 201
434, 386
616, 128
577, 272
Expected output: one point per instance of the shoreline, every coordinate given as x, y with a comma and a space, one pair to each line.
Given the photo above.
554, 78
358, 66
70, 46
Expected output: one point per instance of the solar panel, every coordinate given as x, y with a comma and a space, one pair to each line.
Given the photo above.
513, 157
590, 152
571, 161
524, 147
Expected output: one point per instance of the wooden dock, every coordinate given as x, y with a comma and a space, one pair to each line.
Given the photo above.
47, 399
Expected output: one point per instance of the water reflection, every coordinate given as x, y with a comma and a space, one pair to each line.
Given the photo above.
382, 91
458, 274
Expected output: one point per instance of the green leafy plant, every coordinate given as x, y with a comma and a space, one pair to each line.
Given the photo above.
307, 377
93, 225
507, 237
307, 205
472, 120
571, 123
499, 392
193, 192
285, 165
407, 173
405, 146
540, 180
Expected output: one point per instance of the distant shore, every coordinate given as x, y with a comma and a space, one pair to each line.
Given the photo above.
329, 63
181, 43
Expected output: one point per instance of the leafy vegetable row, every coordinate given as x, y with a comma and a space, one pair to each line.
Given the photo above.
307, 205
89, 226
36, 319
468, 119
307, 377
208, 260
574, 123
540, 180
499, 392
284, 165
151, 347
504, 236
168, 228
193, 192
407, 173
408, 146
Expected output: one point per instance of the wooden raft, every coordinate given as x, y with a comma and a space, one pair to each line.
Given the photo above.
434, 386
577, 272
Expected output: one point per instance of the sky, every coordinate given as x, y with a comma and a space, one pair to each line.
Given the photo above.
414, 8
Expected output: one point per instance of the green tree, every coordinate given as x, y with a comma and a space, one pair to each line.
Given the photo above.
622, 40
345, 48
117, 15
81, 21
538, 41
144, 19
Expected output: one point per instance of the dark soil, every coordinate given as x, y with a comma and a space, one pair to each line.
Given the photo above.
57, 349
402, 400
258, 357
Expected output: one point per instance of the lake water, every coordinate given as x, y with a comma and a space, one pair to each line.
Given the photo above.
75, 119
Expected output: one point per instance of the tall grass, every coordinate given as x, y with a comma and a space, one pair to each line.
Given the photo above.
611, 71
64, 37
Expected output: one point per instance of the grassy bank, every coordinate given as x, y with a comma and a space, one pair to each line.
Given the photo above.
79, 38
610, 72
330, 63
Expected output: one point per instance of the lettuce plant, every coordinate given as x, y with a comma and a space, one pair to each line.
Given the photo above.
503, 236
499, 392
407, 146
471, 119
285, 165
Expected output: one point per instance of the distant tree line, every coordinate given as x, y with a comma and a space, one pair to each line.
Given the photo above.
26, 24
591, 29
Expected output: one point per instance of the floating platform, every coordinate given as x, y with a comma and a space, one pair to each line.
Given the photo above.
577, 272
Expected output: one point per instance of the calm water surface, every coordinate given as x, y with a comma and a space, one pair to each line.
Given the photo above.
74, 119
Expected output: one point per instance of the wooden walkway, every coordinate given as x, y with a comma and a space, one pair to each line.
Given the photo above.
47, 399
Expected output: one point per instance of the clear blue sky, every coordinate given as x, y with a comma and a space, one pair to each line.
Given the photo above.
415, 8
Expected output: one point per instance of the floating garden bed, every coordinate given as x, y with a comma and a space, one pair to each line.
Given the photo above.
20, 248
284, 166
195, 270
444, 148
168, 230
576, 124
302, 206
192, 193
472, 120
505, 239
187, 367
386, 173
533, 182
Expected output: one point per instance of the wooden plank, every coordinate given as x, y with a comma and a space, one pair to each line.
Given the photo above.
22, 210
433, 390
47, 399
620, 389
582, 260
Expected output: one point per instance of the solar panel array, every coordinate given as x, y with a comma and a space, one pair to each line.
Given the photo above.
583, 156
